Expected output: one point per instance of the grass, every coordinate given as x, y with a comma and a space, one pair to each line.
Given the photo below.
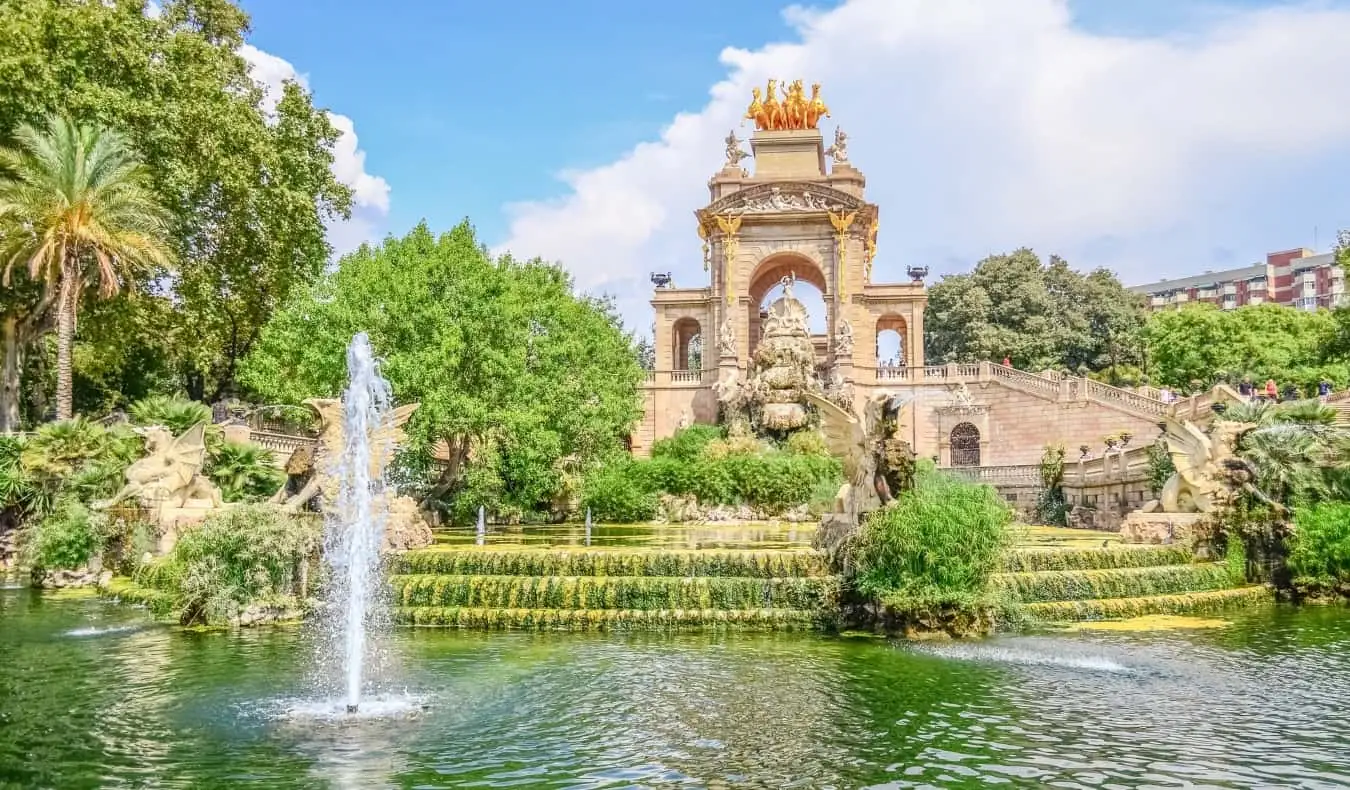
607, 619
1042, 586
615, 592
624, 562
1117, 608
1116, 556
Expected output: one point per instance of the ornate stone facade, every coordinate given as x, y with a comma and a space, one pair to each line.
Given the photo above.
797, 214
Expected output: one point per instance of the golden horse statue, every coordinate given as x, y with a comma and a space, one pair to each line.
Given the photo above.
773, 109
815, 107
756, 111
794, 105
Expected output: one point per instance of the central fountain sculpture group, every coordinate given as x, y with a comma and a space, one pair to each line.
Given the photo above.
782, 393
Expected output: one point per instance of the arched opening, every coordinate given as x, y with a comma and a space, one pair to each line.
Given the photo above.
965, 445
810, 289
891, 343
688, 350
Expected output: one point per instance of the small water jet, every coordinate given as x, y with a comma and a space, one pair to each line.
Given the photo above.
354, 528
482, 526
588, 526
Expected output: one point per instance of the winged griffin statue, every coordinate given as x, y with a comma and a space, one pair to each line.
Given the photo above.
404, 525
169, 477
1207, 468
876, 466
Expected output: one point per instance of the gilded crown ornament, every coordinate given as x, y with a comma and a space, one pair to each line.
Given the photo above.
794, 111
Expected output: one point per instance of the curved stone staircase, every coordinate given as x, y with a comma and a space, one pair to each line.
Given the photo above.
610, 589
1121, 580
583, 589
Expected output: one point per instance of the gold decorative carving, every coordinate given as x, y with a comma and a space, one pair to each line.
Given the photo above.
794, 111
841, 223
730, 227
870, 250
703, 236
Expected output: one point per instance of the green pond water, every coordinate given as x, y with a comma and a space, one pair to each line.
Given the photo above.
92, 695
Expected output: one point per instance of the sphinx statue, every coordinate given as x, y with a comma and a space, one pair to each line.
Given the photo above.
405, 527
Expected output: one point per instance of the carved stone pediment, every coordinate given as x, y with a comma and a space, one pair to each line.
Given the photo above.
786, 197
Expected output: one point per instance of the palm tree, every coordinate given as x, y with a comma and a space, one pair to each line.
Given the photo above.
76, 206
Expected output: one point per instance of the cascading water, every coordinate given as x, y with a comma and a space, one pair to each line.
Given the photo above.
354, 528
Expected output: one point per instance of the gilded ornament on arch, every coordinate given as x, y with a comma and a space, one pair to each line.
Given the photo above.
841, 223
870, 249
730, 227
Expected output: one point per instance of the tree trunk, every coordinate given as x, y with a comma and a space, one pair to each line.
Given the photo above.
65, 340
11, 374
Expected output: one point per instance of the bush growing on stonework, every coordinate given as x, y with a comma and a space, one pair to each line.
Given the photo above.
936, 546
67, 536
1319, 551
236, 557
616, 493
1050, 505
687, 444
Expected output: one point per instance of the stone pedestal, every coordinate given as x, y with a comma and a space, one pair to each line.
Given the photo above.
1178, 528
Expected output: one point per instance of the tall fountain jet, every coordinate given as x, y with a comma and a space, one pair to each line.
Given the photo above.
354, 529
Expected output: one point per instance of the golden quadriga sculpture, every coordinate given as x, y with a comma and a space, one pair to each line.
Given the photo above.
167, 484
404, 527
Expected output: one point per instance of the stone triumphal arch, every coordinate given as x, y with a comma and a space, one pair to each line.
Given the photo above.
802, 217
795, 217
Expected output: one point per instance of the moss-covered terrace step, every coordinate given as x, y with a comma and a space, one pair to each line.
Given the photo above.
609, 619
478, 561
1118, 555
614, 592
1043, 586
1114, 608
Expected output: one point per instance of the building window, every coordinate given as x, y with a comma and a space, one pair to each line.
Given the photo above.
965, 445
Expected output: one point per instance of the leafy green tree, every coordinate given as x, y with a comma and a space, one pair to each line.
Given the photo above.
514, 372
75, 206
1260, 342
248, 184
1039, 316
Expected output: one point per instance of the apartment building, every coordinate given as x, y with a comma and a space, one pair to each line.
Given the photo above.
1294, 278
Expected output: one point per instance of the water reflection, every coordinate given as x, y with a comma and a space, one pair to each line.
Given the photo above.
1257, 704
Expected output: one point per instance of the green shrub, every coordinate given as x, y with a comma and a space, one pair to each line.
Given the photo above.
65, 537
940, 542
244, 472
1319, 551
806, 442
76, 458
176, 414
1235, 559
687, 444
617, 493
235, 557
16, 487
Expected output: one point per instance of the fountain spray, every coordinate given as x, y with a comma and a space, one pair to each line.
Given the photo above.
482, 526
354, 529
588, 526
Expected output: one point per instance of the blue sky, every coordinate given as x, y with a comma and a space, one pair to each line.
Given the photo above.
464, 110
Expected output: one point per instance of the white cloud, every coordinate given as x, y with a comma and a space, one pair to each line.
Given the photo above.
370, 193
985, 126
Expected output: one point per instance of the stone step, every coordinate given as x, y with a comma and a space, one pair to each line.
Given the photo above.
1115, 608
1117, 555
608, 619
487, 561
637, 593
1044, 586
